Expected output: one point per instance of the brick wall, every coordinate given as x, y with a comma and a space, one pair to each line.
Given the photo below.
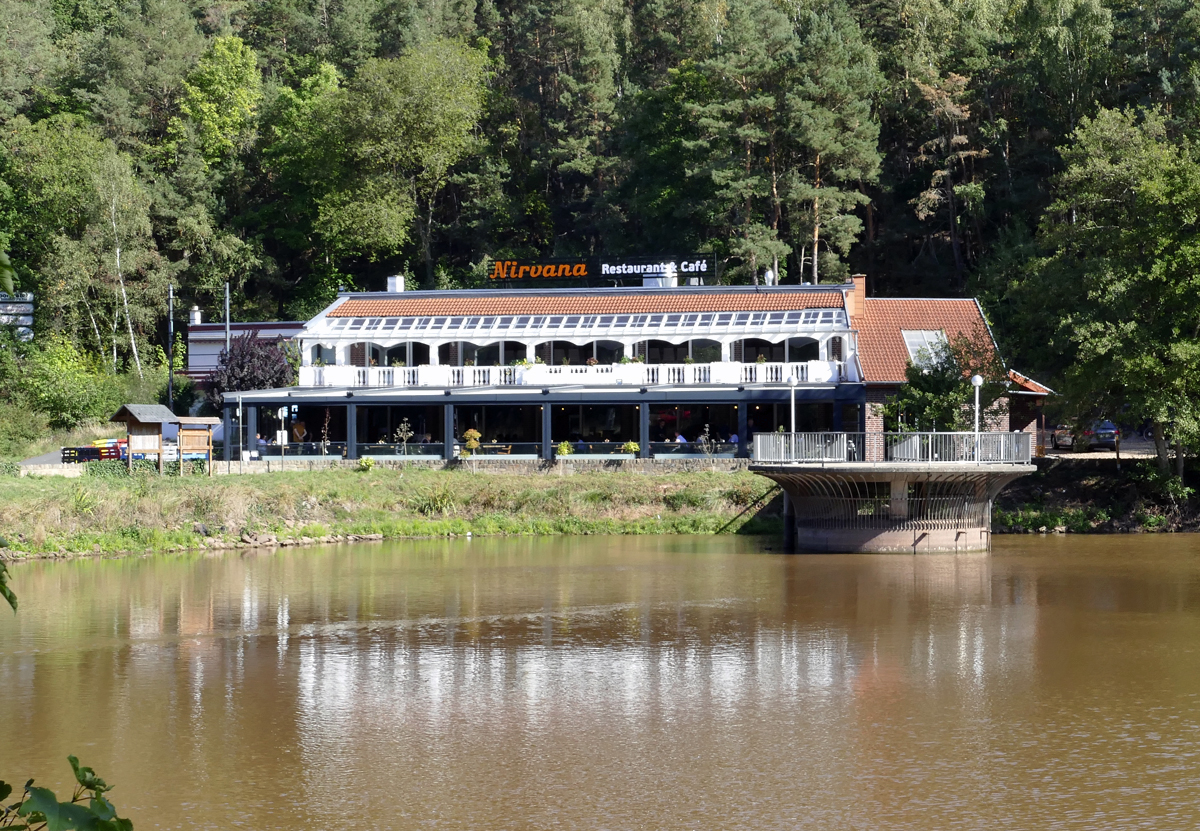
877, 396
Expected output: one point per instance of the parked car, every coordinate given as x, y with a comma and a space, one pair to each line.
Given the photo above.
1097, 434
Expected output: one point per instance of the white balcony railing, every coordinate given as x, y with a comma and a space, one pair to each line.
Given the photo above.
633, 374
932, 448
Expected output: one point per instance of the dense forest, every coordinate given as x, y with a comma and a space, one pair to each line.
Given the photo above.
1036, 153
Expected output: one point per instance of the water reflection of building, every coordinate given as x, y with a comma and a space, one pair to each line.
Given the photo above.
835, 630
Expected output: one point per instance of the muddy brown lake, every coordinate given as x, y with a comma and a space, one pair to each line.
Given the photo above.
618, 683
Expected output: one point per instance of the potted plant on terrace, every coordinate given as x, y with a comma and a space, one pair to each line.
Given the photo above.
471, 444
403, 433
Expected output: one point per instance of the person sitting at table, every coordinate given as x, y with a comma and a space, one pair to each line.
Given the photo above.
679, 439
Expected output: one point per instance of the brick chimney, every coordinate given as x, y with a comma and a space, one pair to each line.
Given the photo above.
856, 295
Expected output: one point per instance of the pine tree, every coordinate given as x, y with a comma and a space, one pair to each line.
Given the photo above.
832, 132
740, 130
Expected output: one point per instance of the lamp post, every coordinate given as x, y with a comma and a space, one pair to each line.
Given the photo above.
977, 382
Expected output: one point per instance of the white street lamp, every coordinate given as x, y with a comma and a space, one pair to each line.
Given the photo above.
977, 382
792, 383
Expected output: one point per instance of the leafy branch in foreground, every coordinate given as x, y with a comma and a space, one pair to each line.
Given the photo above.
40, 810
7, 594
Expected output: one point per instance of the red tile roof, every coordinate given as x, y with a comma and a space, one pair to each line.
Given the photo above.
881, 347
589, 304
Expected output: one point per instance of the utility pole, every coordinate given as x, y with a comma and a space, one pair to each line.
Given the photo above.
171, 348
227, 344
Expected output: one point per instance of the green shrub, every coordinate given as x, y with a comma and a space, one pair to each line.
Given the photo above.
20, 427
118, 469
437, 500
10, 469
687, 498
106, 469
67, 385
742, 494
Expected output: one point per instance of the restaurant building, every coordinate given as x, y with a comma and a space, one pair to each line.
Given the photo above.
653, 370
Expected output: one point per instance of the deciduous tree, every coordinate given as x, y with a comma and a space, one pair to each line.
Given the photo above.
1123, 236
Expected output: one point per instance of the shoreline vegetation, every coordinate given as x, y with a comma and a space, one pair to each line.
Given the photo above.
1097, 496
98, 516
48, 517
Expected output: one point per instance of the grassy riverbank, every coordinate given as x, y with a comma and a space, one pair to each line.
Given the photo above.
49, 516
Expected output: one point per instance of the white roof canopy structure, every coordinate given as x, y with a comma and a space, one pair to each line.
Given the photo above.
672, 327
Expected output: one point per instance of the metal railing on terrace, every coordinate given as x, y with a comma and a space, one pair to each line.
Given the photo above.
931, 448
631, 374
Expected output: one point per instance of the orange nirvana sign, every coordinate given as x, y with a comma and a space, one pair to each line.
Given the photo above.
554, 269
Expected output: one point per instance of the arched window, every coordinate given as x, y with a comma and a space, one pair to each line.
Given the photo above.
803, 349
752, 348
706, 351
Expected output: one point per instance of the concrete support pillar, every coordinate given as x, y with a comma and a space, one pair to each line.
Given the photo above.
448, 431
724, 350
251, 415
227, 432
434, 358
899, 497
547, 453
743, 426
644, 430
351, 431
341, 354
789, 525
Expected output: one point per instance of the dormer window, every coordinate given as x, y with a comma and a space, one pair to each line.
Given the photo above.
923, 344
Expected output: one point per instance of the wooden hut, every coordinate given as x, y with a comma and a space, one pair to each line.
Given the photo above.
195, 436
144, 423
